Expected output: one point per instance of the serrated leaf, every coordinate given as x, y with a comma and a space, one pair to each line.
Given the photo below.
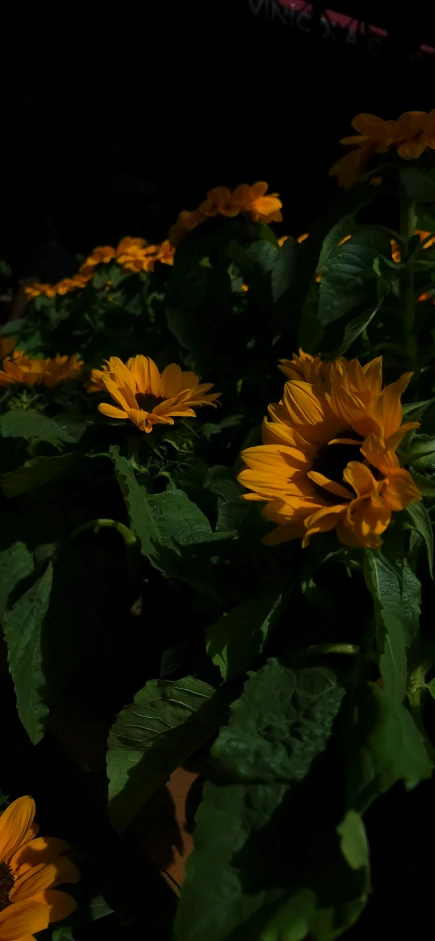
234, 641
34, 473
28, 424
168, 721
385, 747
22, 627
172, 530
284, 269
278, 727
16, 563
420, 522
348, 273
396, 596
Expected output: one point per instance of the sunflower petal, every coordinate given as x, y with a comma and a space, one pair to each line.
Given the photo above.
23, 918
59, 905
15, 824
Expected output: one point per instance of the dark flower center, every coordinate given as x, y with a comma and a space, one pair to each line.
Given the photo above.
6, 884
147, 401
331, 462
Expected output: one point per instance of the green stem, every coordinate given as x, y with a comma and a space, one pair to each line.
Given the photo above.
320, 650
95, 525
407, 293
415, 694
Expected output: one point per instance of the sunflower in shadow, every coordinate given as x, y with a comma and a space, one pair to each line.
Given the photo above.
328, 458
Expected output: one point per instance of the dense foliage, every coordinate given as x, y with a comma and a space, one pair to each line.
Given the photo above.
137, 565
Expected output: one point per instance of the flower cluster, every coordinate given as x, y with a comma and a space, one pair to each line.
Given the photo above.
253, 201
31, 868
147, 397
410, 135
132, 255
48, 372
328, 458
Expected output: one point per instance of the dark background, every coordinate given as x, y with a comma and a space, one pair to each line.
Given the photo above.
115, 118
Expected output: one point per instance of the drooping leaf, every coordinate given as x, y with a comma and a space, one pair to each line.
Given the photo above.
396, 596
28, 424
34, 473
348, 272
414, 410
168, 720
419, 521
232, 890
16, 563
354, 329
22, 627
425, 484
385, 747
234, 641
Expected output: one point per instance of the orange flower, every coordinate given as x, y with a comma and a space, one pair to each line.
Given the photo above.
35, 290
31, 372
395, 250
251, 200
166, 253
147, 397
304, 366
328, 456
136, 255
6, 345
100, 255
410, 135
31, 868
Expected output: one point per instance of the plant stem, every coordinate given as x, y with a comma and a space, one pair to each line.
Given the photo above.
95, 525
407, 293
415, 694
320, 650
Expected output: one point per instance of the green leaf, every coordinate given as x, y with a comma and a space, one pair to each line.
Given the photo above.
28, 424
345, 226
414, 410
422, 451
22, 627
16, 563
420, 522
354, 329
349, 270
431, 688
386, 747
170, 527
236, 879
232, 510
419, 184
354, 844
168, 721
426, 485
34, 473
284, 269
234, 641
396, 596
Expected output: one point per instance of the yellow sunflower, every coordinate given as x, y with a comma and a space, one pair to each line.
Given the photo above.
30, 870
254, 201
328, 456
147, 397
6, 345
410, 135
31, 372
